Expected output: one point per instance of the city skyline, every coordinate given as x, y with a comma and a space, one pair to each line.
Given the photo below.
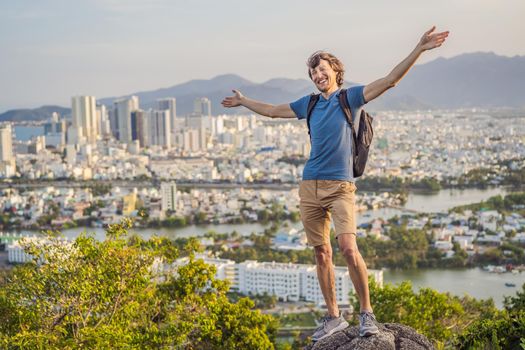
104, 52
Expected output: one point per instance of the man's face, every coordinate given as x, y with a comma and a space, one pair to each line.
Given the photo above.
324, 77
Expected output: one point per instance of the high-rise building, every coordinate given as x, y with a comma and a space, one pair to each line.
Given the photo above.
6, 143
55, 125
201, 114
202, 106
159, 128
7, 160
217, 125
197, 121
151, 128
122, 109
190, 141
83, 112
140, 127
168, 192
75, 135
38, 143
113, 122
169, 104
103, 122
55, 131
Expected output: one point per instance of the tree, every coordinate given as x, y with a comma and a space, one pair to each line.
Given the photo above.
114, 294
437, 315
505, 330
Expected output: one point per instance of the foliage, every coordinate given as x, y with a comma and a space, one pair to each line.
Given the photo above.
507, 203
405, 249
436, 315
276, 213
174, 221
100, 189
516, 303
261, 301
115, 294
398, 184
504, 331
426, 184
376, 183
304, 319
262, 251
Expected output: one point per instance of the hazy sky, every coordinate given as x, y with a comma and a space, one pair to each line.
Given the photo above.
54, 49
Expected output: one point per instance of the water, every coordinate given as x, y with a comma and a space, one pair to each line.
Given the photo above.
435, 202
446, 199
26, 133
183, 232
474, 282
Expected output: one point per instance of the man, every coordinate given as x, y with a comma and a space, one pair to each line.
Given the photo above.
328, 188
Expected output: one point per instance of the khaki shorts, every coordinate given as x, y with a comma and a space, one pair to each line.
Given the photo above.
321, 199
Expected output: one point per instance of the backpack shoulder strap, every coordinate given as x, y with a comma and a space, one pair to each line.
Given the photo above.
311, 104
343, 102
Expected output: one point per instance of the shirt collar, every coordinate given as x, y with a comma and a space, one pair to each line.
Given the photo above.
334, 94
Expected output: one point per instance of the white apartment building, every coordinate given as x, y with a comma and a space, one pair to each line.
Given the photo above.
279, 279
343, 284
287, 281
16, 253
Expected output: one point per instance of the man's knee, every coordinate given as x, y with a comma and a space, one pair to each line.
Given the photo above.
351, 254
323, 254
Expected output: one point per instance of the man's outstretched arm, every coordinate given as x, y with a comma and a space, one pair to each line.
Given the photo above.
428, 42
268, 110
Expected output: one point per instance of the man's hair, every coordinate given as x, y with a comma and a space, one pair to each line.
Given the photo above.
337, 66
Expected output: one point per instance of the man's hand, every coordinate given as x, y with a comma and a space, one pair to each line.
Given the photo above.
233, 101
430, 41
268, 110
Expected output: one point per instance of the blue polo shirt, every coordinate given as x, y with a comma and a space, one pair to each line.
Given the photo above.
331, 152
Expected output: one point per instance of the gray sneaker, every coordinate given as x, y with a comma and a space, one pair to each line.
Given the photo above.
329, 325
367, 324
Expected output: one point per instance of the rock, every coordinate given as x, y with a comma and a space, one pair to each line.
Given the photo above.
392, 336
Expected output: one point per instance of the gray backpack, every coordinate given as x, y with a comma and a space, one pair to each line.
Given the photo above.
361, 139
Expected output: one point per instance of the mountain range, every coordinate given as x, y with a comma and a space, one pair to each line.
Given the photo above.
479, 79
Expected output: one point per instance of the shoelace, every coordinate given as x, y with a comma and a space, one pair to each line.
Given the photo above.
366, 316
324, 321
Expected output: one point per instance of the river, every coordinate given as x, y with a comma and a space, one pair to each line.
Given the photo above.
475, 282
434, 202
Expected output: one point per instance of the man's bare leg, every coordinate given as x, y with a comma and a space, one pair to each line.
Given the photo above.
326, 277
356, 267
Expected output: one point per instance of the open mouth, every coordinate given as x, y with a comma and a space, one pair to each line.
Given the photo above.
322, 81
